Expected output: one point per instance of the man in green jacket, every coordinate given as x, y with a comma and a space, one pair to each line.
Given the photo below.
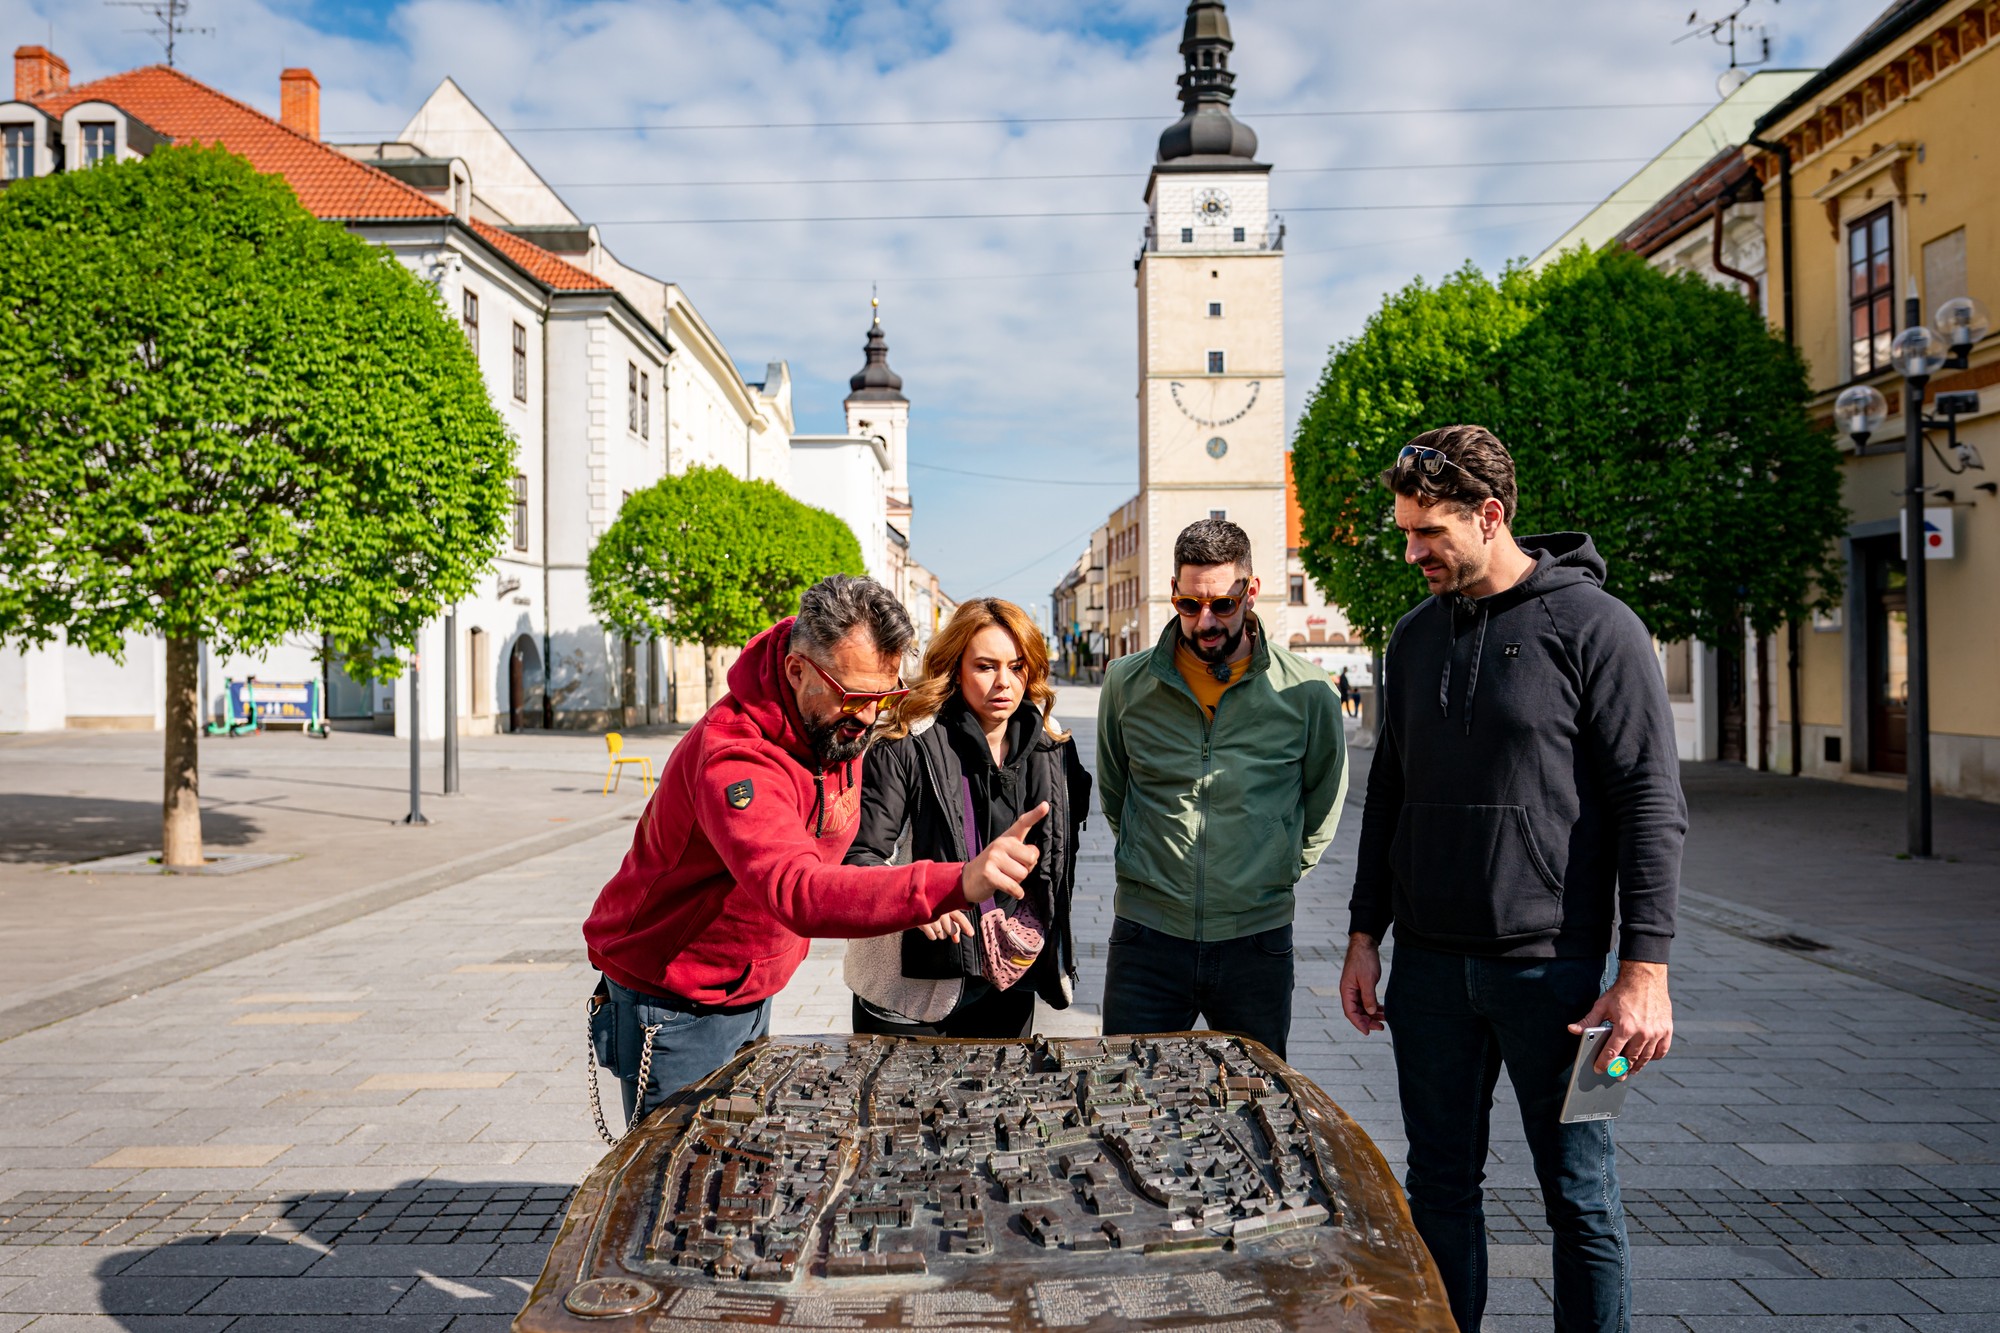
1221, 765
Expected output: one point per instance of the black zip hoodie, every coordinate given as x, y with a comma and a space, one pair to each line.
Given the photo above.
1525, 789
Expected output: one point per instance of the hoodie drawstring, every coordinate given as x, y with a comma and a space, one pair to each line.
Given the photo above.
819, 805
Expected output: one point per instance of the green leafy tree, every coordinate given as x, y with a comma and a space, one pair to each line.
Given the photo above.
1656, 412
225, 421
708, 558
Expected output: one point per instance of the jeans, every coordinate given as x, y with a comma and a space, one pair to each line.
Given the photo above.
1457, 1021
686, 1049
1156, 982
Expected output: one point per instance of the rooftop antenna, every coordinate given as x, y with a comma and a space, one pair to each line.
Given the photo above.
1726, 31
171, 15
875, 301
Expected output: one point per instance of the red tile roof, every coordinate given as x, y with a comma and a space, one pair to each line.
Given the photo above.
328, 183
539, 264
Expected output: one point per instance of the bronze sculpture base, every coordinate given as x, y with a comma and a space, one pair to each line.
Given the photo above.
1163, 1182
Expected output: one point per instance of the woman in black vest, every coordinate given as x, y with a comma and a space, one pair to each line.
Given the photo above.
969, 750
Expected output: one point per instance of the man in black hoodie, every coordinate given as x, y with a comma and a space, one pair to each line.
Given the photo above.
1524, 800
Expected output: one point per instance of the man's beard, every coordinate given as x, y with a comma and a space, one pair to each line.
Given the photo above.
1224, 648
1460, 576
828, 746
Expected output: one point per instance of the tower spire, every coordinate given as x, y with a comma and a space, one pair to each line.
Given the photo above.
875, 382
1207, 128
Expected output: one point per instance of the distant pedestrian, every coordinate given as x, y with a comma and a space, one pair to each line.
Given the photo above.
1221, 770
1524, 797
737, 859
1344, 688
969, 750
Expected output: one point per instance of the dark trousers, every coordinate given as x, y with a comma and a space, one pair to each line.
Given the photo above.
997, 1015
686, 1049
1457, 1022
1156, 982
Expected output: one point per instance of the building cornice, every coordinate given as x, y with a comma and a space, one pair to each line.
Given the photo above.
1910, 55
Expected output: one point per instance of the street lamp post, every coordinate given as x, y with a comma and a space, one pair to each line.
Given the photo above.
1917, 354
451, 701
416, 815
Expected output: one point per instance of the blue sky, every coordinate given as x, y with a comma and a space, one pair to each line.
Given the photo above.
1015, 337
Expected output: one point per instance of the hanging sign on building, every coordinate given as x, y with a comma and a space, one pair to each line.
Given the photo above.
1938, 544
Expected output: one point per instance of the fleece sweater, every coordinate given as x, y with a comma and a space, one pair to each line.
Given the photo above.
1525, 794
736, 863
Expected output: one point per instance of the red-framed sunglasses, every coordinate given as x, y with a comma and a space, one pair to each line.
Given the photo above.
1223, 606
853, 701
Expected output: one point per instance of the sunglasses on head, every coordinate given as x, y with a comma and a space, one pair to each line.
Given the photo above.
853, 701
1223, 606
1430, 462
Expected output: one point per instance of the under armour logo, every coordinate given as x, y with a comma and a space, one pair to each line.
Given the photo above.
1511, 650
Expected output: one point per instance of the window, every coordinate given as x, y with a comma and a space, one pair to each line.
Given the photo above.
1871, 295
469, 316
1187, 235
19, 144
520, 512
1218, 513
1215, 363
520, 363
1295, 590
100, 141
1239, 234
631, 396
1215, 310
645, 406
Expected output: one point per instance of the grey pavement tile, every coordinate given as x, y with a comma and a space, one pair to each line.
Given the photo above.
481, 1323
1965, 1260
1891, 1261
460, 1259
1690, 1296
1876, 1153
305, 1295
1953, 1323
225, 1261
112, 1294
437, 1294
62, 1261
1848, 1296
1960, 1295
1516, 1260
123, 1323
1515, 1295
1714, 1261
516, 1261
1797, 1323
339, 1323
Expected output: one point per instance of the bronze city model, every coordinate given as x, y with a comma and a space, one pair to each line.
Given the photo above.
1178, 1181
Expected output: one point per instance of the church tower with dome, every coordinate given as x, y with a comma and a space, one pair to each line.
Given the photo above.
1211, 333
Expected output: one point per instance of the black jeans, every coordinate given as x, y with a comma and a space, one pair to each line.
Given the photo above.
997, 1015
1457, 1022
1156, 982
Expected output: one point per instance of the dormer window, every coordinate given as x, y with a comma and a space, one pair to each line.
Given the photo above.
1187, 235
18, 143
98, 140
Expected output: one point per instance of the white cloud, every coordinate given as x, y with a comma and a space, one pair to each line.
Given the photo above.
1015, 337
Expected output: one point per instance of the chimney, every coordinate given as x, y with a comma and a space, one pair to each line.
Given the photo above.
38, 72
298, 101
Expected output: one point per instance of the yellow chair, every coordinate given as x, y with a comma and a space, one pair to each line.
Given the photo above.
615, 743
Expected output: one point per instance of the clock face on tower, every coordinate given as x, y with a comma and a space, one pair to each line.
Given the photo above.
1211, 206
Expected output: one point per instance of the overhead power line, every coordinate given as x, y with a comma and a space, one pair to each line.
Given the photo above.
699, 127
1085, 213
1028, 480
1091, 175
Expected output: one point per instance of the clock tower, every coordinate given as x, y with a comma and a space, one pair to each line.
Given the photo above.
1211, 334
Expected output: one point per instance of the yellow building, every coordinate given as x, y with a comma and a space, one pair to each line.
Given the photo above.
1886, 158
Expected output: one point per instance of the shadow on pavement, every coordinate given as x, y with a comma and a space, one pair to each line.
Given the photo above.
427, 1255
58, 829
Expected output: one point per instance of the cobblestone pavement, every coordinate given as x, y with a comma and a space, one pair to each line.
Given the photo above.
374, 1126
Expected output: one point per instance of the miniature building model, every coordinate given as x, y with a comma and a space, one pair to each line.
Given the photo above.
1161, 1181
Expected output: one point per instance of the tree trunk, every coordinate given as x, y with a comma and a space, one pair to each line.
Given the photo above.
1764, 709
711, 661
1732, 744
180, 835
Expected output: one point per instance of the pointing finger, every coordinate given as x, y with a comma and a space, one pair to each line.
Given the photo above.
1019, 828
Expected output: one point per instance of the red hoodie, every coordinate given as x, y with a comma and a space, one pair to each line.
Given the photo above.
737, 859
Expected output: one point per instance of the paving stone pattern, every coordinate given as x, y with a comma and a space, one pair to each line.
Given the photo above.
1820, 1151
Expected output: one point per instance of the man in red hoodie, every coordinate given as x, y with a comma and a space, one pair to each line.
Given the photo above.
736, 862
